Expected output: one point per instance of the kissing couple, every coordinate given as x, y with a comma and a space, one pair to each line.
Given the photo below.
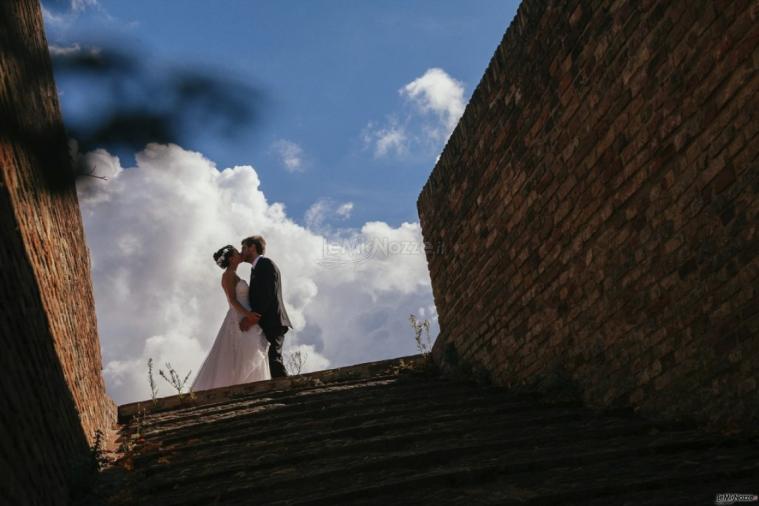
248, 346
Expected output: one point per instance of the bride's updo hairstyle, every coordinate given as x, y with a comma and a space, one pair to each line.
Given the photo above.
221, 257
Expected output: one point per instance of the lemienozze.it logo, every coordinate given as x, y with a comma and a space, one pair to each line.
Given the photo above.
723, 499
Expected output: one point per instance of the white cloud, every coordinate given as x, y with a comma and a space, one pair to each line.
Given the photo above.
344, 210
151, 230
52, 19
56, 50
310, 360
391, 139
434, 105
439, 93
64, 50
316, 214
290, 155
61, 18
322, 210
369, 283
82, 5
387, 140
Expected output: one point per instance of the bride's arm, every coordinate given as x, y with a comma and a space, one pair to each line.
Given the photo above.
227, 283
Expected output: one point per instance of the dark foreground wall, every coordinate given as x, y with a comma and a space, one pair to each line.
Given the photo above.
52, 395
596, 209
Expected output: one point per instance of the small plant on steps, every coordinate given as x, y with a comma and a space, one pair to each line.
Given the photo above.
174, 379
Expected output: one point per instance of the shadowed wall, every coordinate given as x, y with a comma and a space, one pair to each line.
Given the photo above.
595, 210
51, 386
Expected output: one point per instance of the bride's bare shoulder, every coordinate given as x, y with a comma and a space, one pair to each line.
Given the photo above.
227, 277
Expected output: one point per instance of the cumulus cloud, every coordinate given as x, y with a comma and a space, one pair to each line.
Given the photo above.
369, 282
64, 50
393, 139
386, 140
305, 356
290, 155
75, 48
434, 103
62, 13
54, 19
317, 216
82, 5
152, 228
344, 210
438, 93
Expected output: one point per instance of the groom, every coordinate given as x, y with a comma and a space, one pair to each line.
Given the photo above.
266, 300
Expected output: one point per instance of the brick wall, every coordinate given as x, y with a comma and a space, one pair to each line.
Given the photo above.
597, 205
51, 386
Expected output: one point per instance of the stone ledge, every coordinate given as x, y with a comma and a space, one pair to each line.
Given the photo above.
216, 395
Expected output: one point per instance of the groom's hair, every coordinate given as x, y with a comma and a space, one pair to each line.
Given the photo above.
258, 241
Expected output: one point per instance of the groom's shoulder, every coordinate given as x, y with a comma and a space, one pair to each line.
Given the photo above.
268, 262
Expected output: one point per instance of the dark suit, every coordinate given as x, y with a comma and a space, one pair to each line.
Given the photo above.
266, 298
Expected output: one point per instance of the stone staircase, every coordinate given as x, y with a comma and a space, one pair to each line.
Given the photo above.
394, 432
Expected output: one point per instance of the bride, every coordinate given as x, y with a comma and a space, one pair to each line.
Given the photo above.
236, 356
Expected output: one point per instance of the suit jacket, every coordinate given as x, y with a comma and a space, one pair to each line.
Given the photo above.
266, 298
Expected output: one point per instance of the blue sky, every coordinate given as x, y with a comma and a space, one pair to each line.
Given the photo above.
328, 70
355, 101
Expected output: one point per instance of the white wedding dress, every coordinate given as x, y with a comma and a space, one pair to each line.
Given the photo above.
236, 356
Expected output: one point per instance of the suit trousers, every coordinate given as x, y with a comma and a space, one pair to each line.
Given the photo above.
276, 364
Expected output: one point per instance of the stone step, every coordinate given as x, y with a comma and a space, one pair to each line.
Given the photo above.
398, 367
362, 426
553, 480
410, 438
295, 404
392, 435
281, 416
192, 411
267, 456
411, 458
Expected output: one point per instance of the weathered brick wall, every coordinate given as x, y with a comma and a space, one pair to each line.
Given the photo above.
597, 209
51, 386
